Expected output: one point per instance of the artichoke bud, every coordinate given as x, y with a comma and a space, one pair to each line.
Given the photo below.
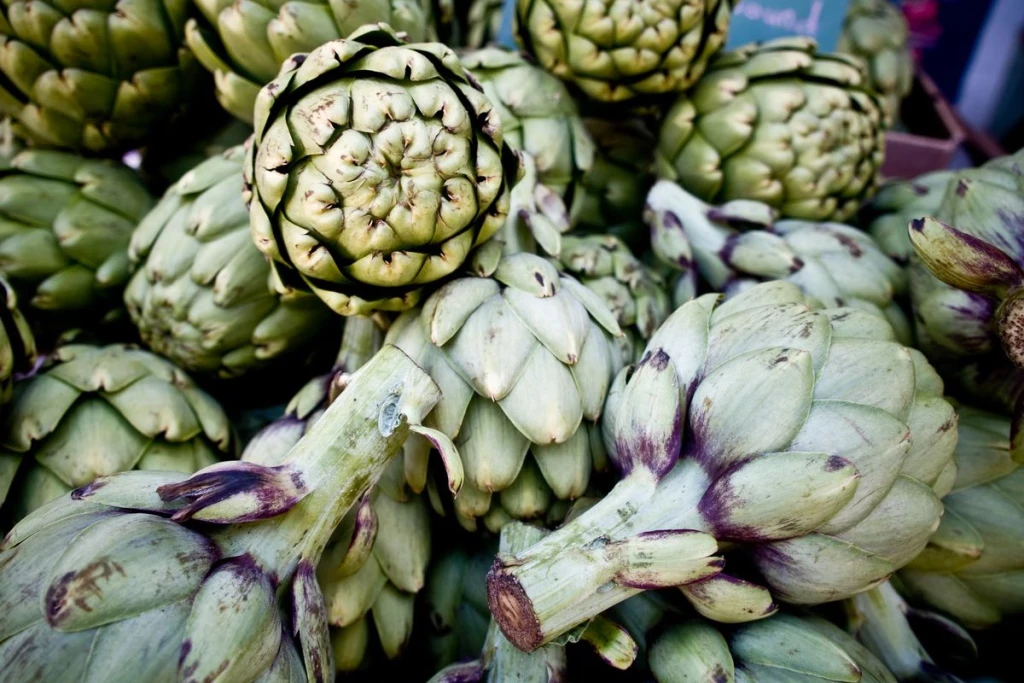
343, 558
234, 492
611, 642
310, 623
729, 600
956, 544
234, 629
691, 651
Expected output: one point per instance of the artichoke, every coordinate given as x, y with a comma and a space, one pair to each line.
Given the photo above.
101, 410
632, 290
737, 245
381, 178
629, 52
377, 561
897, 203
151, 576
524, 357
17, 348
483, 21
973, 566
780, 123
201, 295
65, 223
101, 78
784, 648
539, 119
615, 187
805, 439
972, 246
251, 40
876, 31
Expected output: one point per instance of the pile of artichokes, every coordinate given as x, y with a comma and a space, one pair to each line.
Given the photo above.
340, 342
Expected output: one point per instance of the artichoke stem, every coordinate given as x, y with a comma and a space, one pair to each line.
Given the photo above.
879, 618
342, 457
601, 558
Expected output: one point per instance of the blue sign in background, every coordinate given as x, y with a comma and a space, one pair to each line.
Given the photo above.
755, 20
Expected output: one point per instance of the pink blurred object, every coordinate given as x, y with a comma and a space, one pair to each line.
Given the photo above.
923, 21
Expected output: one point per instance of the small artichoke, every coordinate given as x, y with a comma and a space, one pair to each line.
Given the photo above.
735, 246
784, 648
539, 119
101, 410
152, 576
633, 52
780, 123
967, 276
633, 291
615, 187
381, 178
201, 293
898, 202
524, 357
97, 77
17, 346
65, 224
876, 31
805, 440
250, 40
973, 566
377, 560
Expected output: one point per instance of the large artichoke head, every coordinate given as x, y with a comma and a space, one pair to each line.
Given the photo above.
154, 576
97, 411
251, 39
17, 345
65, 224
973, 566
876, 31
524, 357
781, 123
735, 246
973, 248
805, 439
377, 167
201, 294
624, 51
94, 76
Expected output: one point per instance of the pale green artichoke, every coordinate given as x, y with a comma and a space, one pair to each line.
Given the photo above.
152, 576
633, 291
17, 346
483, 19
967, 275
780, 123
735, 246
615, 187
973, 566
539, 119
524, 357
201, 294
65, 224
100, 77
377, 560
381, 178
898, 202
803, 439
876, 31
784, 648
101, 410
633, 52
251, 39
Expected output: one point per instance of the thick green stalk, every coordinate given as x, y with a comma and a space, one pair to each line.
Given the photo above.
616, 550
340, 459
